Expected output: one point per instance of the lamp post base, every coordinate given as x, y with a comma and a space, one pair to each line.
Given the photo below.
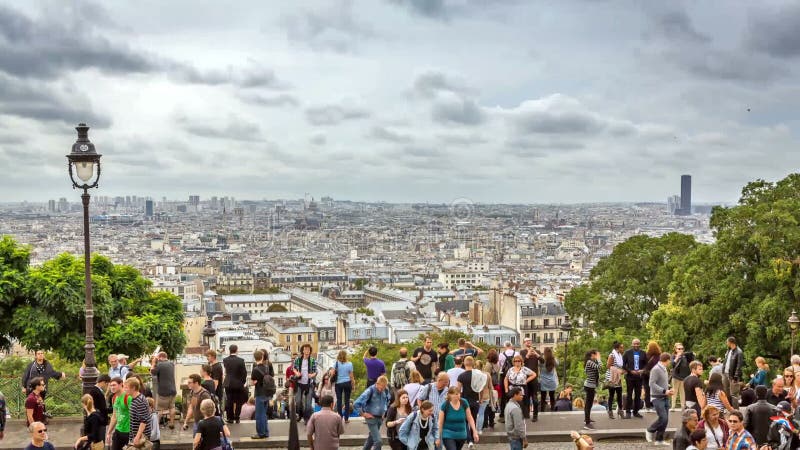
89, 378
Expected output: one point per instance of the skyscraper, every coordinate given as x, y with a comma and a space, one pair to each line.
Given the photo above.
686, 196
148, 208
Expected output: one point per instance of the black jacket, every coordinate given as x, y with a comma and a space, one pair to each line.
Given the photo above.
737, 361
680, 366
235, 372
628, 362
31, 373
681, 439
774, 435
757, 420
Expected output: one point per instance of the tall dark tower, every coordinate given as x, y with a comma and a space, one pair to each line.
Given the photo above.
686, 195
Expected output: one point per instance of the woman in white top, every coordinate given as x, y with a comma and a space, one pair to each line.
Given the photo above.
716, 429
414, 385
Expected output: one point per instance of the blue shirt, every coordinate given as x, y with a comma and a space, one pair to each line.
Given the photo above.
373, 402
455, 421
343, 371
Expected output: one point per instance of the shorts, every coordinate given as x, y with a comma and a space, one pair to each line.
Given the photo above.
165, 402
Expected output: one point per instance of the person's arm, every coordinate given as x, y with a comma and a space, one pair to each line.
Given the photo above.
531, 377
737, 375
416, 355
189, 415
312, 368
505, 381
701, 397
475, 347
112, 423
724, 399
29, 414
391, 417
441, 424
196, 440
403, 431
295, 368
226, 430
360, 402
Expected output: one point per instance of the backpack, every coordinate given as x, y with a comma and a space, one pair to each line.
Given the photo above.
212, 396
507, 364
400, 374
267, 381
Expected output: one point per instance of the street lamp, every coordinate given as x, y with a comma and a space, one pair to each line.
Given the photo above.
566, 327
794, 323
81, 163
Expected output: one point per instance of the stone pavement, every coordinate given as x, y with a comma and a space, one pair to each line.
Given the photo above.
551, 427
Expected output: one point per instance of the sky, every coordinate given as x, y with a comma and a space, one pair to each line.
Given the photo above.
401, 100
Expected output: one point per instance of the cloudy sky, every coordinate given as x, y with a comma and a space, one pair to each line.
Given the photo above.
401, 100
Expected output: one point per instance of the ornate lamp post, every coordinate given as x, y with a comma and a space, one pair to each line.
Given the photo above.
794, 323
81, 163
566, 327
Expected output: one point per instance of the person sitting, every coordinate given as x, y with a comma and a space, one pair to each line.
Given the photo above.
564, 402
248, 409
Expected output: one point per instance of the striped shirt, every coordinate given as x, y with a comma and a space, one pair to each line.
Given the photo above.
140, 413
741, 441
431, 393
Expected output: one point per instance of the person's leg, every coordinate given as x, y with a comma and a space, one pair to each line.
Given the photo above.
534, 397
543, 402
261, 416
449, 444
348, 390
660, 425
526, 406
339, 399
308, 406
240, 401
552, 400
479, 422
587, 407
637, 397
630, 386
375, 432
648, 403
229, 401
515, 444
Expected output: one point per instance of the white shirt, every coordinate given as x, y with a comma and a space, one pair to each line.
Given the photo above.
304, 371
453, 374
503, 356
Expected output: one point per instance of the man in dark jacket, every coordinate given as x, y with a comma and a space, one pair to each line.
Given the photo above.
732, 371
689, 423
633, 362
235, 382
39, 367
757, 416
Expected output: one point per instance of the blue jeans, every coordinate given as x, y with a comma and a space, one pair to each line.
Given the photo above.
453, 444
343, 391
515, 444
481, 414
374, 438
262, 425
302, 400
658, 427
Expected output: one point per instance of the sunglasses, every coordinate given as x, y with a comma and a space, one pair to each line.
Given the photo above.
42, 431
733, 421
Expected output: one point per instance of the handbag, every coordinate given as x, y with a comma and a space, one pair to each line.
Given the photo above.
146, 445
226, 444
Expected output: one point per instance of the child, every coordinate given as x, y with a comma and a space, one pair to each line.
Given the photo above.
155, 431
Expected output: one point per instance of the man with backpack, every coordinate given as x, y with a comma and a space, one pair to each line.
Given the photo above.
197, 393
506, 362
264, 383
401, 370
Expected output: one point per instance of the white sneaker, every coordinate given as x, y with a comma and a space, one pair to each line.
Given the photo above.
648, 435
470, 445
661, 443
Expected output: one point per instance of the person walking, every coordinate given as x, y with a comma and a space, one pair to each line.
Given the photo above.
38, 440
516, 429
457, 370
548, 378
119, 426
93, 425
372, 405
435, 393
592, 371
425, 359
614, 378
716, 428
401, 371
783, 430
164, 370
345, 380
420, 430
661, 392
414, 386
139, 435
325, 426
652, 356
210, 429
34, 403
234, 384
395, 416
633, 362
760, 377
197, 393
486, 397
471, 383
455, 421
693, 388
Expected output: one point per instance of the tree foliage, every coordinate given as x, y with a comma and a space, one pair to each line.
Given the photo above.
44, 307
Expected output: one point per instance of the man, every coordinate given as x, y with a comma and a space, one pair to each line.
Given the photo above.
680, 370
401, 370
119, 425
472, 382
3, 412
115, 369
446, 360
38, 441
375, 367
732, 371
34, 403
693, 395
689, 424
305, 369
39, 367
515, 422
505, 360
139, 434
258, 379
435, 393
739, 438
98, 397
325, 426
757, 417
164, 370
372, 405
660, 393
425, 358
782, 433
235, 381
216, 372
456, 371
466, 348
197, 393
530, 358
633, 362
777, 394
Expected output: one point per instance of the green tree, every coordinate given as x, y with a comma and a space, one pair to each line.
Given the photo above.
14, 261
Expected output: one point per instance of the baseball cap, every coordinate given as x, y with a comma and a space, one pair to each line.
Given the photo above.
784, 406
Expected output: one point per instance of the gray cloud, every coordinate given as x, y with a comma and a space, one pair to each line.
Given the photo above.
384, 134
454, 110
431, 83
334, 114
461, 139
252, 77
556, 114
676, 25
319, 139
281, 100
432, 9
234, 128
775, 30
728, 65
335, 29
39, 101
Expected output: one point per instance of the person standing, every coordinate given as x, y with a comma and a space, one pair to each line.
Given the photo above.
457, 370
680, 370
519, 376
260, 378
38, 441
375, 367
39, 368
652, 355
682, 439
693, 396
435, 393
739, 438
471, 383
732, 370
420, 431
209, 430
401, 370
715, 395
757, 416
119, 426
345, 380
197, 393
715, 427
3, 412
466, 348
548, 378
592, 371
217, 372
34, 403
139, 435
760, 377
456, 421
661, 392
530, 358
424, 359
235, 382
633, 362
397, 413
324, 427
115, 369
446, 360
516, 430
305, 369
372, 405
164, 370
778, 392
614, 378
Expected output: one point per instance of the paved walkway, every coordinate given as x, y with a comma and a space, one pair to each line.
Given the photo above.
551, 427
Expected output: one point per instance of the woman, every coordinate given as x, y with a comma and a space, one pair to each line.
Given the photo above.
92, 425
326, 386
520, 376
548, 378
34, 404
614, 378
344, 385
715, 428
699, 440
715, 394
760, 377
395, 416
564, 402
592, 370
652, 355
485, 398
420, 431
493, 369
414, 384
455, 421
788, 384
207, 436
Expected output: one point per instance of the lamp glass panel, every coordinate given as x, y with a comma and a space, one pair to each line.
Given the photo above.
85, 170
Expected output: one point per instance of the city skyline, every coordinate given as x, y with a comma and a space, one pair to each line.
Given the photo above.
512, 103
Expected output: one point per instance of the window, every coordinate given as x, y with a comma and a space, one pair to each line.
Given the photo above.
526, 324
288, 338
527, 335
369, 332
280, 382
310, 337
280, 368
546, 323
497, 340
299, 338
